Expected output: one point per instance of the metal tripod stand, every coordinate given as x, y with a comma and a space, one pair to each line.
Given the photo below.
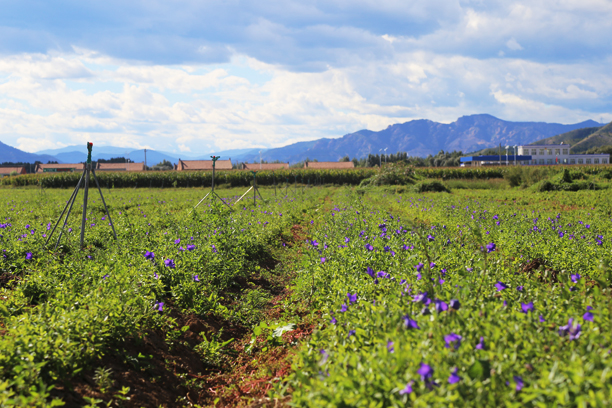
212, 193
86, 174
254, 188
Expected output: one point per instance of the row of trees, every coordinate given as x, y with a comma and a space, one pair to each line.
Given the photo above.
442, 159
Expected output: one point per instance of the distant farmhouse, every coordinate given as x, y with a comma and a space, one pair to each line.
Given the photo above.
264, 166
537, 155
59, 168
329, 165
7, 171
120, 166
193, 165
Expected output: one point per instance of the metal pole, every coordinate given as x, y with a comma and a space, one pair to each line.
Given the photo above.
86, 191
66, 220
104, 202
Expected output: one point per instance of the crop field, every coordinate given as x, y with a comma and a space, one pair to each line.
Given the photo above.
324, 296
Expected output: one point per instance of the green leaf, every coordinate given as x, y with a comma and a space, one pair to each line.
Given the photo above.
481, 369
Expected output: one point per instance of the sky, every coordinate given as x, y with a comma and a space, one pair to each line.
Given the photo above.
198, 76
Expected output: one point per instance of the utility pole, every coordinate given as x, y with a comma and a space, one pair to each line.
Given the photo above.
507, 147
145, 159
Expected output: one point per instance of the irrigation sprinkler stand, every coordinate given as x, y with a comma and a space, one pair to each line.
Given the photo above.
86, 175
212, 193
254, 188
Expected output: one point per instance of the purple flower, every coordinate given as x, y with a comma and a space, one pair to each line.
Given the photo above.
149, 255
469, 269
407, 389
351, 333
28, 255
195, 278
500, 286
214, 249
421, 297
155, 275
519, 382
170, 263
382, 274
410, 324
325, 356
425, 371
430, 238
454, 304
371, 272
323, 260
520, 288
419, 266
390, 347
333, 320
588, 316
314, 243
191, 247
369, 247
177, 241
344, 308
542, 319
481, 344
454, 377
572, 330
352, 298
159, 306
441, 306
452, 340
575, 277
526, 307
105, 276
490, 247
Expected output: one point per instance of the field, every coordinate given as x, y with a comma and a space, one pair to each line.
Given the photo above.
326, 296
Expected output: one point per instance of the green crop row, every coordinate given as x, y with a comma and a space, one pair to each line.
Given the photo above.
471, 299
63, 308
169, 179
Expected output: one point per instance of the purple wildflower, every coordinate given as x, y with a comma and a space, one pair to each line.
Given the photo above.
500, 286
195, 278
481, 344
572, 330
454, 304
452, 340
407, 389
441, 306
519, 382
170, 263
390, 347
454, 377
352, 297
526, 307
410, 324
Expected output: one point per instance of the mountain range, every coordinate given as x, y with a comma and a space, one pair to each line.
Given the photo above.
417, 137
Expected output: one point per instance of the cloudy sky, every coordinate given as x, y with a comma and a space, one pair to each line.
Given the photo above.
198, 76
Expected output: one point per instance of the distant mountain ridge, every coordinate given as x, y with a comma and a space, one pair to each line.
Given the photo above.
417, 137
423, 137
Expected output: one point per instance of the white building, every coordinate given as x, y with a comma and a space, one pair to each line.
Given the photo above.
559, 154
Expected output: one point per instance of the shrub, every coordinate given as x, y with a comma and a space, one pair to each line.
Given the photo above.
432, 185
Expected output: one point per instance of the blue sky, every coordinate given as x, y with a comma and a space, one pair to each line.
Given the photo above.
195, 76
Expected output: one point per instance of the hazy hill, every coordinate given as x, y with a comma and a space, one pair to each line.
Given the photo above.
11, 154
582, 140
423, 137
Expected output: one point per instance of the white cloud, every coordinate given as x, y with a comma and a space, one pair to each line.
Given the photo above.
208, 75
513, 45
